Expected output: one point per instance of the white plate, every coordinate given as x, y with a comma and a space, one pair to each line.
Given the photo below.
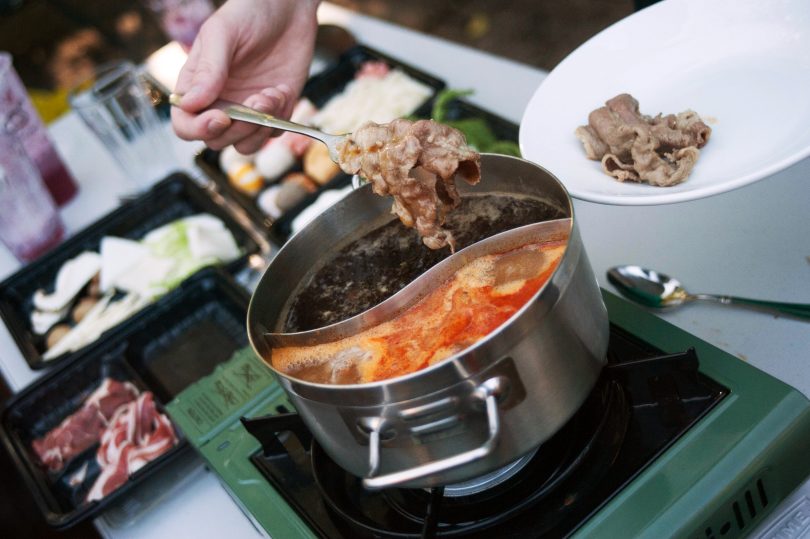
742, 64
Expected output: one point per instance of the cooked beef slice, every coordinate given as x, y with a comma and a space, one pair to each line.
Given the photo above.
660, 150
417, 163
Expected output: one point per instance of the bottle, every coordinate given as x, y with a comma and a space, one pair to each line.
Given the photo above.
18, 118
30, 224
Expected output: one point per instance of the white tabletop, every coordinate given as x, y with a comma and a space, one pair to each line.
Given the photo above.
752, 242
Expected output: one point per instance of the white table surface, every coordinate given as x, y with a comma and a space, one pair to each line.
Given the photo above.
753, 242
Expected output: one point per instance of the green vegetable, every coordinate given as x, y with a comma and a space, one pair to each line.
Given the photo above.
505, 147
478, 133
443, 101
170, 243
171, 240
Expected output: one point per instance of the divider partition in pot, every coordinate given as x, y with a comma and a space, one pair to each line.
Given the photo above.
472, 412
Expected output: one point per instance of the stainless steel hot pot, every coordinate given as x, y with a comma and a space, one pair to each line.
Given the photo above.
473, 412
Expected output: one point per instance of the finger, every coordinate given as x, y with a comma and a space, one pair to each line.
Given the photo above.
184, 77
206, 71
254, 142
240, 131
280, 98
208, 125
285, 95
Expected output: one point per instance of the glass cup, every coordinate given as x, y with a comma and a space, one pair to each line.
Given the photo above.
118, 109
18, 117
29, 221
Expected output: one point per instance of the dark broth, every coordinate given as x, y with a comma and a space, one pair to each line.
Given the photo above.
378, 265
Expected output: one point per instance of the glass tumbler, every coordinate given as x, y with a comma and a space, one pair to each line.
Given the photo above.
18, 117
118, 109
29, 221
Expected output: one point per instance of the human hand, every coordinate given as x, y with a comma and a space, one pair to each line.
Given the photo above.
255, 52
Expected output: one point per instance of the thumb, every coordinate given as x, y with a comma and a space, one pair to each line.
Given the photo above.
206, 71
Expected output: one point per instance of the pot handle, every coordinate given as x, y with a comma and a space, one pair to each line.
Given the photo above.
489, 392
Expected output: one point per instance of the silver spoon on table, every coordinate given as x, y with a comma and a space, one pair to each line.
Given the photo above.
653, 289
242, 113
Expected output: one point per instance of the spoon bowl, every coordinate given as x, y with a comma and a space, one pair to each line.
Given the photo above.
654, 289
648, 287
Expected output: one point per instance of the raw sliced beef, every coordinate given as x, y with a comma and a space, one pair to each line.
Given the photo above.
136, 435
83, 428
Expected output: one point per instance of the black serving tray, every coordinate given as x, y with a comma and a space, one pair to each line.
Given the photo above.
175, 197
186, 336
199, 325
322, 87
319, 89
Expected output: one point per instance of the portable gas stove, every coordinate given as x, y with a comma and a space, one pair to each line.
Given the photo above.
678, 439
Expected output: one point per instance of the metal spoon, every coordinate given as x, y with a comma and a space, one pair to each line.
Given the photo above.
242, 113
654, 289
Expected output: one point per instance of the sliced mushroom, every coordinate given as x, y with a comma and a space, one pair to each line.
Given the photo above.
71, 278
94, 286
42, 321
82, 307
56, 334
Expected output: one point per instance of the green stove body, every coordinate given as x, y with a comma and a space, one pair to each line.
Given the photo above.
746, 450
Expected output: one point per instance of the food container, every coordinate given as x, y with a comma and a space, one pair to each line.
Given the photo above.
319, 89
199, 325
469, 414
175, 197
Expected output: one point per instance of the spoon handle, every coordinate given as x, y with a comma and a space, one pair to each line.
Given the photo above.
797, 310
242, 113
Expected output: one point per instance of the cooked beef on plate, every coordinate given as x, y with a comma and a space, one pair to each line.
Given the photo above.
659, 150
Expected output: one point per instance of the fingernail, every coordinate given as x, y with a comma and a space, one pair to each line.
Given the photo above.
216, 127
